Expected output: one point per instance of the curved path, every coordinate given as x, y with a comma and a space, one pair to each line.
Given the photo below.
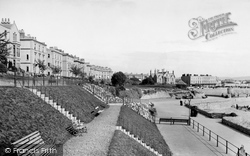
96, 141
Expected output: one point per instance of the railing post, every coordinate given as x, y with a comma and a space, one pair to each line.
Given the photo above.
226, 146
209, 135
43, 80
217, 141
23, 79
203, 130
28, 80
15, 78
198, 127
193, 124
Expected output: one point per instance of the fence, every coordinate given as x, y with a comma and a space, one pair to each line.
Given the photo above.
229, 147
27, 80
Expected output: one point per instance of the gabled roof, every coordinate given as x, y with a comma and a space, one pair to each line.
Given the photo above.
8, 26
180, 82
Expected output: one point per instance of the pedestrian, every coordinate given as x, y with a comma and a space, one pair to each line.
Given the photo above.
181, 102
241, 151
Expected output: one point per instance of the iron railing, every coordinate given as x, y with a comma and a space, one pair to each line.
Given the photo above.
218, 139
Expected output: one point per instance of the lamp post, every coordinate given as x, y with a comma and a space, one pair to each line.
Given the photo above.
189, 115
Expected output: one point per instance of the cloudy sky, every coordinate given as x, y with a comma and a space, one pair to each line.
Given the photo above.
138, 35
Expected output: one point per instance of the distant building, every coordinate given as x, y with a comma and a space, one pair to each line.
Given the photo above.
164, 77
12, 36
68, 61
199, 80
31, 51
138, 76
99, 72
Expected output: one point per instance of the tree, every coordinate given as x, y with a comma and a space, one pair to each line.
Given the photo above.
91, 79
83, 74
75, 70
56, 69
155, 78
41, 65
118, 79
148, 81
3, 68
4, 50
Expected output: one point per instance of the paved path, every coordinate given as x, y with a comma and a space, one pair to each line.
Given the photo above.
182, 139
96, 141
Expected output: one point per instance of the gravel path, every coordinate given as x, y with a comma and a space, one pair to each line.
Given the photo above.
96, 141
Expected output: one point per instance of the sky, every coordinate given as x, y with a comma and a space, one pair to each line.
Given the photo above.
138, 35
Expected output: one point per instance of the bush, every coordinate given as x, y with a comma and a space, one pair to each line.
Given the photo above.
148, 81
3, 68
137, 91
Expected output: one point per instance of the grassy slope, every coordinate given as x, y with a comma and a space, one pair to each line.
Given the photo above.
129, 146
145, 129
76, 100
22, 113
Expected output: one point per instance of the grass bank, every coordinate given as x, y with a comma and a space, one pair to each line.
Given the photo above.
74, 99
22, 113
142, 128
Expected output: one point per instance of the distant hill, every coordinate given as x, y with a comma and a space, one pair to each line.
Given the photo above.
236, 78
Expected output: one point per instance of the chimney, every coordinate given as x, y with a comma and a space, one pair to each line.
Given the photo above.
150, 73
22, 34
2, 21
173, 72
8, 21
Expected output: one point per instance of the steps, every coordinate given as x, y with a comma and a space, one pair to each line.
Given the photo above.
128, 133
57, 107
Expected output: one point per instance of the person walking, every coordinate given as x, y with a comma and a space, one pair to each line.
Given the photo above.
181, 102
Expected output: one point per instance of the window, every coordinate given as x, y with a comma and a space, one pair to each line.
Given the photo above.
49, 64
27, 57
48, 55
14, 50
27, 69
18, 52
35, 46
14, 37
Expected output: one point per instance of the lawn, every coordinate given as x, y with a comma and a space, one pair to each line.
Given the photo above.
144, 129
22, 113
74, 99
123, 145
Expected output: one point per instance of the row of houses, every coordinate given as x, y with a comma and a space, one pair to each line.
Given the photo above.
200, 80
26, 50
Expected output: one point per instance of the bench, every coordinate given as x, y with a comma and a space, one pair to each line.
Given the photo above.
96, 111
173, 120
77, 130
33, 144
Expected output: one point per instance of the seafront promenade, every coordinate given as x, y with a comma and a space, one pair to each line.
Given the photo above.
183, 140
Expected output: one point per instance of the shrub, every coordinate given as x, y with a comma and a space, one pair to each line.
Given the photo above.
148, 81
3, 68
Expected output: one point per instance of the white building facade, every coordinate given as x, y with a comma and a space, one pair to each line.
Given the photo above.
32, 50
12, 35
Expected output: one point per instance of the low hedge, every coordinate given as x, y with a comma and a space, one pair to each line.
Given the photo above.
236, 126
